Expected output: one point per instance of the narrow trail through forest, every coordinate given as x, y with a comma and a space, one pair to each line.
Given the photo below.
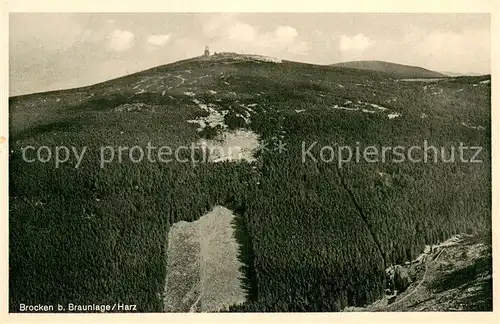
363, 217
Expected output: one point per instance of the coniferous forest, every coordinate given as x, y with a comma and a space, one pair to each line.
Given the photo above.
319, 235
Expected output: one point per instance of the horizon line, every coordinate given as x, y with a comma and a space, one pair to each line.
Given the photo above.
446, 73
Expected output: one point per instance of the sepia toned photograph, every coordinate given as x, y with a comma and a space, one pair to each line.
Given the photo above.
249, 162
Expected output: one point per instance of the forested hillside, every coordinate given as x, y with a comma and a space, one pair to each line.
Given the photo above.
319, 235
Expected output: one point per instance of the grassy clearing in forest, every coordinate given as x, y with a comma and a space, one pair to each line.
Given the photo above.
203, 272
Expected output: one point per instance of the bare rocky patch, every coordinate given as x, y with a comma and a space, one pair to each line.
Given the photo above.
454, 275
238, 145
234, 145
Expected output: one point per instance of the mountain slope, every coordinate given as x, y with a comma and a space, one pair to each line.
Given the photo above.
394, 69
315, 234
453, 276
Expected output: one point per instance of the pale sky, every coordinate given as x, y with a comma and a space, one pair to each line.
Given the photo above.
64, 50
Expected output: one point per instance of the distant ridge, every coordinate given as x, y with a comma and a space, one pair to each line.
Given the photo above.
397, 70
457, 74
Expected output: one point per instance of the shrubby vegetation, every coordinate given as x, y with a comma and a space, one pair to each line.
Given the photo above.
317, 237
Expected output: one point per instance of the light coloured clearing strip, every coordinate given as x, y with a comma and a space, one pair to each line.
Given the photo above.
379, 107
345, 108
473, 126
